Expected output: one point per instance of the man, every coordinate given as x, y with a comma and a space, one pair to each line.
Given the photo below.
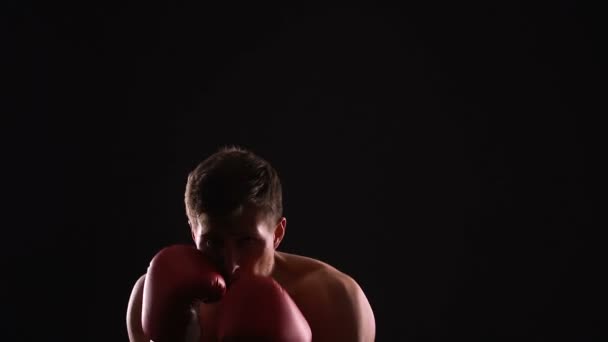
234, 206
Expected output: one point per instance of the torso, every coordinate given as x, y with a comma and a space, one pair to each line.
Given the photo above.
298, 275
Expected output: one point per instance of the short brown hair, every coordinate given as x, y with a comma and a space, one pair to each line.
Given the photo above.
229, 179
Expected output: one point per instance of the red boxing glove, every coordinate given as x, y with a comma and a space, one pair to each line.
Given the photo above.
257, 308
178, 277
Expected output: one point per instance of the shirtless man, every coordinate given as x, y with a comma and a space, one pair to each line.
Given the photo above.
234, 206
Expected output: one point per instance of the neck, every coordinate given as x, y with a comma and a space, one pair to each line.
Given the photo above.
279, 270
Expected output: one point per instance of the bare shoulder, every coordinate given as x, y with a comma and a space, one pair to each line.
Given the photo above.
300, 264
332, 301
309, 273
134, 328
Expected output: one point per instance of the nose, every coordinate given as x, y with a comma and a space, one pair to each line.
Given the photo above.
231, 260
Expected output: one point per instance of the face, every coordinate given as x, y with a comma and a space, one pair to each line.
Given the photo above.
244, 242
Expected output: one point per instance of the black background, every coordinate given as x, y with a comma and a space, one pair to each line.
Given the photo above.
443, 154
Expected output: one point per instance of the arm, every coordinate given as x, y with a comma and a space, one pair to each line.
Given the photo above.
134, 328
351, 314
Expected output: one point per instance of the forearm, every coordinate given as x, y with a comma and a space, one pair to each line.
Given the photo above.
193, 331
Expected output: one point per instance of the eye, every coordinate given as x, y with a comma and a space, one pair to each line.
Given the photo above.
211, 243
247, 240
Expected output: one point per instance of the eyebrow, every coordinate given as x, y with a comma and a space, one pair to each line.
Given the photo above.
208, 235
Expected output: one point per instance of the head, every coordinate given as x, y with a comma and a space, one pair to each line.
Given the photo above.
234, 207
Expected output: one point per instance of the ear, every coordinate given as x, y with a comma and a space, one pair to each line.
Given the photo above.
279, 232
